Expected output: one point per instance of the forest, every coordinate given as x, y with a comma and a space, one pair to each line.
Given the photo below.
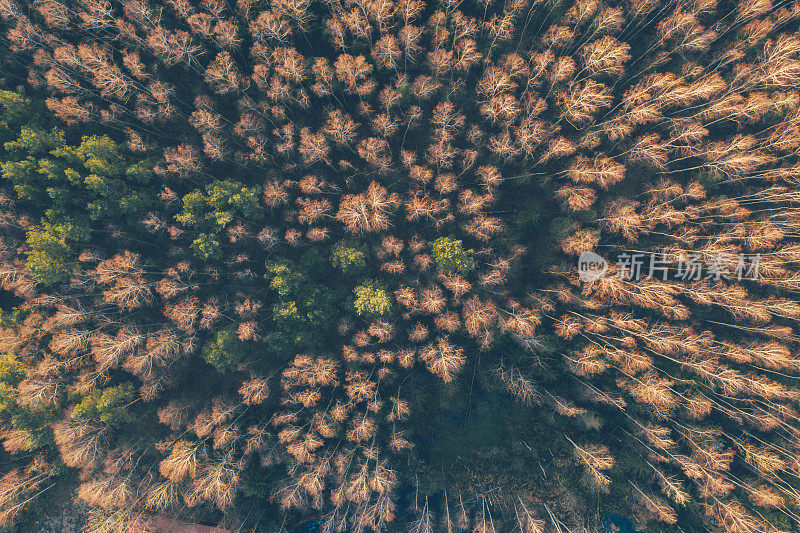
286, 266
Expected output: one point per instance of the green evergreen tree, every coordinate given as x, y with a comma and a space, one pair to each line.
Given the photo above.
562, 227
225, 351
14, 107
12, 371
50, 249
110, 405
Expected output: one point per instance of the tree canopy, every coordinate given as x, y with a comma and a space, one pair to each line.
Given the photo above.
307, 264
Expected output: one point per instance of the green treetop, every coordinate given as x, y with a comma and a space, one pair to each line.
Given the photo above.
285, 311
207, 247
225, 351
109, 405
562, 227
348, 257
44, 169
219, 205
31, 422
242, 200
450, 255
283, 277
303, 306
372, 299
211, 211
12, 372
101, 156
35, 141
14, 107
70, 185
50, 247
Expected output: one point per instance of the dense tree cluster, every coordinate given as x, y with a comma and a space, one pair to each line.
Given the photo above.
266, 260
